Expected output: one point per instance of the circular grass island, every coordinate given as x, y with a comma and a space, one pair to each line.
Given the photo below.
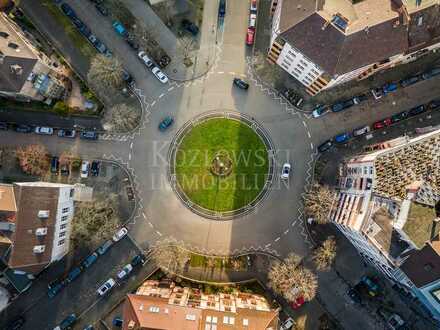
221, 165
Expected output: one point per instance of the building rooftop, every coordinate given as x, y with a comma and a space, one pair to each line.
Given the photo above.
420, 225
7, 198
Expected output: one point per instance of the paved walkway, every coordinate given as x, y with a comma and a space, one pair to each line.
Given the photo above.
202, 58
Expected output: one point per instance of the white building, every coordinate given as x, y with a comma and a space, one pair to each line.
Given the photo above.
326, 43
36, 218
386, 208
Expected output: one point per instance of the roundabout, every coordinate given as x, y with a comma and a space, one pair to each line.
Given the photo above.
221, 164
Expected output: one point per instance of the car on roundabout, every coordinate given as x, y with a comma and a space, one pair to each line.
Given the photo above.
285, 171
166, 123
240, 83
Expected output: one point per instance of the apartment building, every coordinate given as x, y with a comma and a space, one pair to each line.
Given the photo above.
35, 224
165, 306
386, 207
323, 43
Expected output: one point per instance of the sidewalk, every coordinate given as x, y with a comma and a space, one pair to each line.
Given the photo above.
202, 58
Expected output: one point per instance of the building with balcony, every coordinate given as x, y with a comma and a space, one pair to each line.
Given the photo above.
387, 207
163, 305
35, 224
325, 43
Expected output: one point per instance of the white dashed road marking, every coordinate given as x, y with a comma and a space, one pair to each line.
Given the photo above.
158, 232
161, 95
293, 223
308, 134
311, 146
143, 214
277, 239
131, 145
220, 72
268, 245
151, 225
170, 89
232, 72
129, 156
153, 103
243, 75
286, 231
304, 123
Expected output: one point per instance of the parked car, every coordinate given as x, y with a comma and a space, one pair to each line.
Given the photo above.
77, 22
250, 36
137, 260
253, 7
399, 116
90, 260
417, 110
190, 27
95, 168
389, 87
132, 43
67, 10
382, 123
285, 171
67, 322
92, 38
431, 73
54, 164
55, 289
102, 9
395, 322
409, 81
120, 234
16, 324
106, 287
371, 285
144, 57
44, 130
253, 20
123, 273
361, 130
342, 138
23, 129
89, 327
100, 47
119, 28
360, 98
89, 135
162, 77
85, 169
165, 123
222, 8
117, 322
85, 31
354, 295
287, 325
325, 146
68, 133
3, 126
434, 104
320, 110
65, 169
104, 247
73, 274
342, 105
240, 83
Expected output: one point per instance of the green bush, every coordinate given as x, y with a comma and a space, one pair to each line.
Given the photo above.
61, 108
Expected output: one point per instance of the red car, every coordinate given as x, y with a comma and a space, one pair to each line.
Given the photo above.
297, 303
382, 123
250, 36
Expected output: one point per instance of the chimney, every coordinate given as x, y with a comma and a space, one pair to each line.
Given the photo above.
131, 325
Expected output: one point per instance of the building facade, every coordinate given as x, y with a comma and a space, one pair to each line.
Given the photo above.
323, 44
386, 207
35, 224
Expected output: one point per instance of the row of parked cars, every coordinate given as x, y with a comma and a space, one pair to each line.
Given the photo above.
377, 93
344, 137
250, 35
45, 130
162, 77
56, 286
84, 30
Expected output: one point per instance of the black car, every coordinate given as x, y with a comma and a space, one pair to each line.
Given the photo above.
137, 260
132, 43
417, 110
3, 126
323, 147
23, 129
65, 171
67, 10
434, 104
190, 27
85, 31
95, 168
54, 165
16, 324
240, 83
127, 77
399, 116
78, 23
68, 133
102, 9
89, 135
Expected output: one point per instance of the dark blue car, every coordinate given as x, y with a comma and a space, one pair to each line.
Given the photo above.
67, 10
342, 138
89, 135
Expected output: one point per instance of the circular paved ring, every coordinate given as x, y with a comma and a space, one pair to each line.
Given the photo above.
174, 146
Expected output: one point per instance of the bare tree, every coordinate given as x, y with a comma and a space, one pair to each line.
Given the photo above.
324, 255
33, 159
106, 72
94, 222
170, 257
291, 279
318, 202
124, 118
267, 71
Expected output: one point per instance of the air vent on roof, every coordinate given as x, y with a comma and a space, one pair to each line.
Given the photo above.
16, 69
141, 307
43, 214
131, 325
154, 309
41, 231
39, 248
190, 317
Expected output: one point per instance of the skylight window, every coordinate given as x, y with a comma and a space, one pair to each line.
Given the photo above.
340, 22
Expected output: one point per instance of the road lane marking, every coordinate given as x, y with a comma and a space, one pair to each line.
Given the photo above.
170, 89
304, 123
131, 145
268, 245
277, 239
286, 231
232, 72
293, 223
161, 95
308, 134
243, 75
153, 103
158, 232
311, 146
151, 225
143, 214
220, 72
129, 156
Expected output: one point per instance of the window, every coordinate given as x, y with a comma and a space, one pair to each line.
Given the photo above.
298, 71
61, 242
65, 210
154, 309
63, 226
303, 63
285, 61
64, 218
420, 21
72, 191
43, 214
190, 317
291, 53
228, 320
245, 322
315, 72
62, 234
300, 66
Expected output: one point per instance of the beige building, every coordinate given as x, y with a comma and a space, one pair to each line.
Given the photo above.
165, 306
325, 43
